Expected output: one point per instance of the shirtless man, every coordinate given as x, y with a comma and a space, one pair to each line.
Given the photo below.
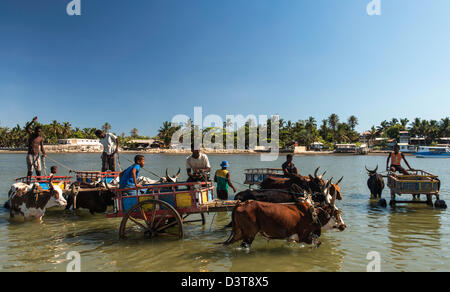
396, 158
35, 145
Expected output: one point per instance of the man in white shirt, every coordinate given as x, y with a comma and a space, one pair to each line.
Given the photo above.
197, 166
110, 149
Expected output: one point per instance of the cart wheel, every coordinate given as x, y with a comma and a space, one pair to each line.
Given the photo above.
392, 203
440, 204
382, 203
152, 218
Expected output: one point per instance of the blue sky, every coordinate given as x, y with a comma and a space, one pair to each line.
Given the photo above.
138, 63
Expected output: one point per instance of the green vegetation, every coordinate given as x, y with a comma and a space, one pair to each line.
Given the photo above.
304, 132
17, 137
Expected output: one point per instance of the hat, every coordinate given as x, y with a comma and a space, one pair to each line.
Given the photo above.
225, 164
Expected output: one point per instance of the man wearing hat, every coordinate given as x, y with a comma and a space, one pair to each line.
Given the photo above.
223, 180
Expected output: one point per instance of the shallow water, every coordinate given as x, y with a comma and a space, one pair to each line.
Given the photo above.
408, 238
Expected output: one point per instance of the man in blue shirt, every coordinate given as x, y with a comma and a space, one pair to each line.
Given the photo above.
128, 178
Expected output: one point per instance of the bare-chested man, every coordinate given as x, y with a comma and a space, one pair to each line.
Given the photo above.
35, 145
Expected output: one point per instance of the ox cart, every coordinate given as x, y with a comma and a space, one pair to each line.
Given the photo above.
417, 183
256, 176
163, 209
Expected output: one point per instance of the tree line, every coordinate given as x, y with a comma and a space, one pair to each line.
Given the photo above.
17, 137
329, 131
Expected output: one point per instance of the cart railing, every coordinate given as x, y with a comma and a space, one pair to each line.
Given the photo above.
44, 180
417, 182
184, 197
256, 176
90, 177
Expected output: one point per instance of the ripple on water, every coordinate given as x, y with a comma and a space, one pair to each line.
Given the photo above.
407, 237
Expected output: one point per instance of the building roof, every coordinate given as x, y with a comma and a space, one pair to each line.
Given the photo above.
142, 141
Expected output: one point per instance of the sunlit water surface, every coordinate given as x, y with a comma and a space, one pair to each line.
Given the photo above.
408, 238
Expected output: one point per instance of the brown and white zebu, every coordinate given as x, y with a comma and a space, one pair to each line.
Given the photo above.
32, 201
310, 183
300, 222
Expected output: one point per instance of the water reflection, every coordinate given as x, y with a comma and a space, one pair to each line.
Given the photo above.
408, 237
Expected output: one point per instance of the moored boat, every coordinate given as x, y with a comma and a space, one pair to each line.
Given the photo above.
433, 152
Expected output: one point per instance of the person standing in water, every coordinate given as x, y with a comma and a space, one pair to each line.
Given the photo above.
223, 180
35, 146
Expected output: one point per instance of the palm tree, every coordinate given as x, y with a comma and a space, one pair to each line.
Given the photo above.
66, 130
373, 133
106, 127
353, 122
404, 122
444, 127
134, 133
166, 132
333, 121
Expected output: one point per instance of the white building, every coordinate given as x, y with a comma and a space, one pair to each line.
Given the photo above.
80, 142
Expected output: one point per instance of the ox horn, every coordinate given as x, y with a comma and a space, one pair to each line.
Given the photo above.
178, 173
315, 172
320, 177
375, 170
339, 181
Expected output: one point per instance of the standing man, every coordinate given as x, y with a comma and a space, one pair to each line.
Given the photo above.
197, 166
110, 149
289, 166
223, 180
35, 145
396, 158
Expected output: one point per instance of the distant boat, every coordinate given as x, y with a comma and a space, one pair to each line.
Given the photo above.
433, 152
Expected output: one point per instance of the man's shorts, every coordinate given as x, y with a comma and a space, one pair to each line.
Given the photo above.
222, 195
34, 163
398, 168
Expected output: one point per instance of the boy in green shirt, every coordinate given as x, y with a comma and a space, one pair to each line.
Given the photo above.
223, 180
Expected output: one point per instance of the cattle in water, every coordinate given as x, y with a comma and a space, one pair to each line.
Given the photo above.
375, 183
32, 201
272, 196
94, 200
336, 189
299, 222
310, 183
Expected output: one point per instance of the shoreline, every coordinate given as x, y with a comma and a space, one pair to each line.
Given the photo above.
208, 152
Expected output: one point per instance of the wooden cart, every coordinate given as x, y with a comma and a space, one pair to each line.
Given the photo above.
163, 209
417, 183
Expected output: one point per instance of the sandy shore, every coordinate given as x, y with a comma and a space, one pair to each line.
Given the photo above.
182, 152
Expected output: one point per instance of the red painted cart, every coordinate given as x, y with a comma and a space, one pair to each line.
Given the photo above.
162, 209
